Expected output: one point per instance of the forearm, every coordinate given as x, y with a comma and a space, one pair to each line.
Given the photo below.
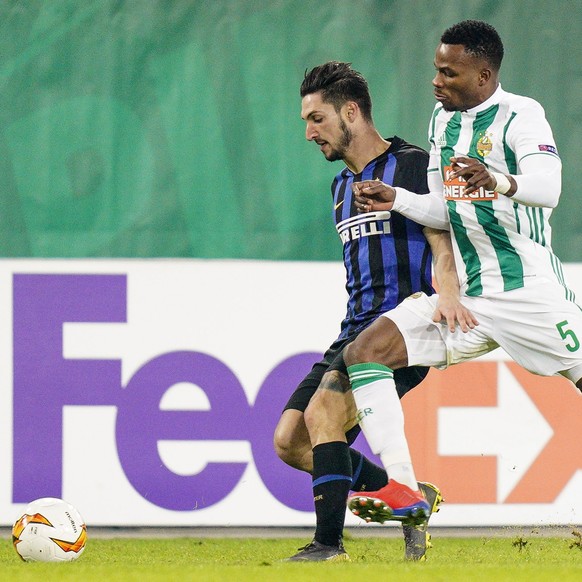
426, 209
540, 182
449, 310
444, 268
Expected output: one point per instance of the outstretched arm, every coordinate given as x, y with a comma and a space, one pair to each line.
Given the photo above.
426, 209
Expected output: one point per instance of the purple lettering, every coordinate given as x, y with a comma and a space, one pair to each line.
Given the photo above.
289, 486
141, 424
44, 381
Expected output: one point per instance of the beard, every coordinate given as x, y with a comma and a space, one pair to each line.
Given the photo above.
339, 152
448, 106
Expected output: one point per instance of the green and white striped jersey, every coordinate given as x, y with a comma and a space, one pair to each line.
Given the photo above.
497, 241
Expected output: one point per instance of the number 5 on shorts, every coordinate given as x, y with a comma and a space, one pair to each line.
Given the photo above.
569, 335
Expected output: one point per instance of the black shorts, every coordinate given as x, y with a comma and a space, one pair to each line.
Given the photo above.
405, 378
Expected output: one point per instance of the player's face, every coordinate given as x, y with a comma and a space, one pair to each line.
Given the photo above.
325, 126
460, 78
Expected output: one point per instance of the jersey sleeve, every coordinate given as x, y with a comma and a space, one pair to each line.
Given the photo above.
530, 134
428, 210
539, 169
411, 171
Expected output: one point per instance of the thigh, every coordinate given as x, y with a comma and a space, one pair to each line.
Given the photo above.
425, 345
432, 344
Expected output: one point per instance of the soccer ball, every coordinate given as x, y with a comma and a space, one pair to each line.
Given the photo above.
50, 530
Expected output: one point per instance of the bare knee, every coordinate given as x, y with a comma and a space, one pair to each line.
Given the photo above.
291, 441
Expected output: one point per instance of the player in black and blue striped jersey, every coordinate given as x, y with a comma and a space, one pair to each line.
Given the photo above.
387, 258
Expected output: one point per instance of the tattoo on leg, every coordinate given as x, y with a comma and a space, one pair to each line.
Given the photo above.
336, 383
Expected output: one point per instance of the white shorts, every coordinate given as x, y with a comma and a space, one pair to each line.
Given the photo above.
536, 325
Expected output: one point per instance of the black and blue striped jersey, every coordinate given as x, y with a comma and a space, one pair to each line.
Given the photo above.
386, 256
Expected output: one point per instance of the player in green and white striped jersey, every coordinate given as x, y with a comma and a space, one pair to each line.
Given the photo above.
494, 177
494, 233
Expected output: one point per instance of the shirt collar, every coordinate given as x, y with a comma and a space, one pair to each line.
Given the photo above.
493, 100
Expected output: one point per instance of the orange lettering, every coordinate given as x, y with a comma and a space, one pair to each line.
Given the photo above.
462, 479
560, 403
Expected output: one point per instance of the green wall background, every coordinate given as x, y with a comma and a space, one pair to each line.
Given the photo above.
148, 128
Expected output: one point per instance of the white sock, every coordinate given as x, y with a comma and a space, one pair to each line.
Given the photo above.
382, 420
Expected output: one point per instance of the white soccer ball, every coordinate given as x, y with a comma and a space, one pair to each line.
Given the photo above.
50, 530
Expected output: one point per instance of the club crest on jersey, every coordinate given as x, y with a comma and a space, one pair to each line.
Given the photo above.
454, 189
484, 144
363, 225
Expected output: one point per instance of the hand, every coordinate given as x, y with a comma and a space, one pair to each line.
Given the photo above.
474, 172
373, 195
449, 309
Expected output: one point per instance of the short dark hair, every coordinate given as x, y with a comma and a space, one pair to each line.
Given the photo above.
338, 83
479, 38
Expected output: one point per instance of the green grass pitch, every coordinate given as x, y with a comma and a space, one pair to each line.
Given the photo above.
258, 559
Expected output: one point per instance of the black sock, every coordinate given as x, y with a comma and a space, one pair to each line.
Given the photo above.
332, 477
367, 476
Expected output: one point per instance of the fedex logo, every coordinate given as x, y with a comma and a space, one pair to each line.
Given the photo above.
509, 439
45, 382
